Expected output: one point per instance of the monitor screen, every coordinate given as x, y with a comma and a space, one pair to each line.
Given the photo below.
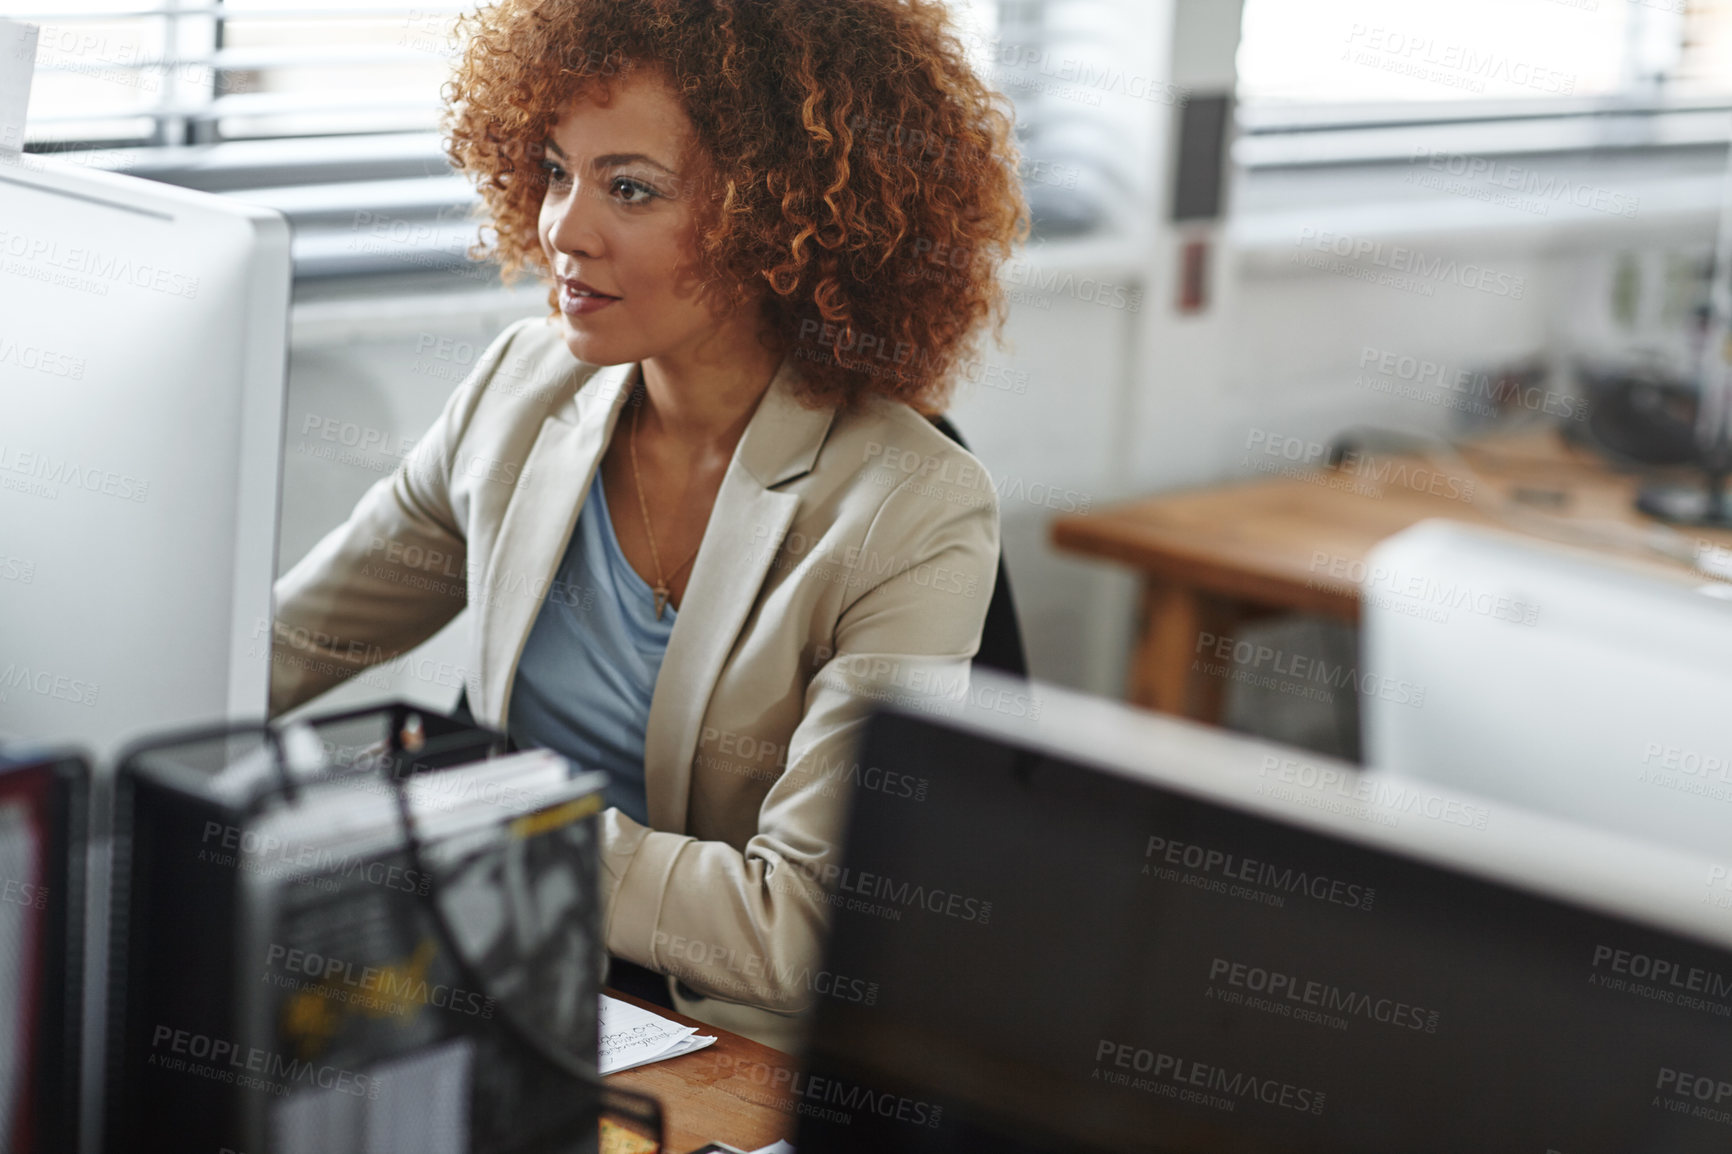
1059, 957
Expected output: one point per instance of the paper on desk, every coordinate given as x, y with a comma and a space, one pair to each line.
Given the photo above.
632, 1037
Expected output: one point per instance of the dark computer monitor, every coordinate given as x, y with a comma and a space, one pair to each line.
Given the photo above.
43, 831
1086, 928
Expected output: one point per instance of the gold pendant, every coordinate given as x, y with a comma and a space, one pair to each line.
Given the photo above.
661, 600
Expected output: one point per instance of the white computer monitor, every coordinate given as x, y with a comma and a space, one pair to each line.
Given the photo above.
1579, 684
142, 353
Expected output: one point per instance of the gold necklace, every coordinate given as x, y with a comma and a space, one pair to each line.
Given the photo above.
661, 590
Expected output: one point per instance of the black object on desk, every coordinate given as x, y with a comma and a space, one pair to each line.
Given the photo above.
44, 828
364, 932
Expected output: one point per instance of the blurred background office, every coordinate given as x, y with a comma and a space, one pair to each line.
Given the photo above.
1260, 228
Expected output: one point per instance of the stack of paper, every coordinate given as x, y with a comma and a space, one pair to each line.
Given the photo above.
634, 1037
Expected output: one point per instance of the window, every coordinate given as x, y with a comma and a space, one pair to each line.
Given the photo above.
1393, 60
324, 109
122, 73
130, 73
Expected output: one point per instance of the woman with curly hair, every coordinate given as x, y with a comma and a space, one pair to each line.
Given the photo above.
703, 518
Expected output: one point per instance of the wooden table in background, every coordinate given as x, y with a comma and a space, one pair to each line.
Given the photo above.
736, 1091
1214, 558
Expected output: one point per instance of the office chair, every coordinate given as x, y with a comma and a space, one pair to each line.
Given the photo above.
1001, 635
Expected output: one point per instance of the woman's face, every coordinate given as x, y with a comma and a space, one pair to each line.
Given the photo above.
618, 221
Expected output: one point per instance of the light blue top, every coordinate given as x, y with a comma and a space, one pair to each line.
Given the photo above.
589, 668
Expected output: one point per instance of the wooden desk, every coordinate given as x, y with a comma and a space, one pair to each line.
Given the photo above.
736, 1091
1213, 558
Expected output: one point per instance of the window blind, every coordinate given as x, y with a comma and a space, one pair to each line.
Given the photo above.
167, 73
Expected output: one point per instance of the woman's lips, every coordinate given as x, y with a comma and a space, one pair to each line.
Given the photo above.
577, 299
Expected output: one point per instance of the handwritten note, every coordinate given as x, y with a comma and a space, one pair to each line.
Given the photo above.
632, 1037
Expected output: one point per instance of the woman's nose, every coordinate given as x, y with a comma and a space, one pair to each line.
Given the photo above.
574, 228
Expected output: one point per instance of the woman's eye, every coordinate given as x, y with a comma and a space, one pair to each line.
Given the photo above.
555, 173
632, 191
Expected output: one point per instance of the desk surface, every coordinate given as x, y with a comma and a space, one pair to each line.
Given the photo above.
1212, 558
1275, 542
736, 1091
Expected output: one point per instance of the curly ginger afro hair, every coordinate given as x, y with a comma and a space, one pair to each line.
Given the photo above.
858, 168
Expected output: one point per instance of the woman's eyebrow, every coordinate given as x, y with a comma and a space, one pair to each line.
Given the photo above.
614, 159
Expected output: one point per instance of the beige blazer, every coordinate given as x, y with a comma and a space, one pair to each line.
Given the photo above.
849, 558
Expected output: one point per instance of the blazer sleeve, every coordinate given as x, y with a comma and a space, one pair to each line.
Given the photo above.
391, 575
761, 913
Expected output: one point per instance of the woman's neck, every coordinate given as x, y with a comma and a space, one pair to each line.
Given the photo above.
705, 395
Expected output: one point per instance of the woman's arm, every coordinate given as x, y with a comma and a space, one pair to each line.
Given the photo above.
390, 576
673, 900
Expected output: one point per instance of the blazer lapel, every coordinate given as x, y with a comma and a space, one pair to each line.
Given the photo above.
741, 542
537, 527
